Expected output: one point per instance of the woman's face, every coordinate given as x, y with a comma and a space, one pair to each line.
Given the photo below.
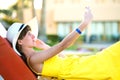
28, 40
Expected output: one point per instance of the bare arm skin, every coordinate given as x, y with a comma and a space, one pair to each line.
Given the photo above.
40, 57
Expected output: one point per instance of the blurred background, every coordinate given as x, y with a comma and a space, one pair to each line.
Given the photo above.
57, 18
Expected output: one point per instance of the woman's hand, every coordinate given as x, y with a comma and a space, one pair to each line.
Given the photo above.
87, 16
40, 44
86, 20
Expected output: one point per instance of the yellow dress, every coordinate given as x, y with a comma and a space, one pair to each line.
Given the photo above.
104, 65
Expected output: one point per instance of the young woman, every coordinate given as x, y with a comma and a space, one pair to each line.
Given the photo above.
45, 60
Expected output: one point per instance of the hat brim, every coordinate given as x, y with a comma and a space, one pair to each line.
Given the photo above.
15, 40
34, 26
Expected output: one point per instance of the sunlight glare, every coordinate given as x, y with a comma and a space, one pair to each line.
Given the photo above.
4, 4
38, 4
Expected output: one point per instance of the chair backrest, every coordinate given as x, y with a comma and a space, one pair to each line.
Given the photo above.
12, 67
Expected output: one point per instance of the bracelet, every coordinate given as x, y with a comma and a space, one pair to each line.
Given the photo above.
78, 31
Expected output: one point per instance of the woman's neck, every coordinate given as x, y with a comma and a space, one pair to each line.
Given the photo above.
28, 51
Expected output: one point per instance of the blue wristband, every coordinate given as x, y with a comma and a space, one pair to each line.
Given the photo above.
78, 31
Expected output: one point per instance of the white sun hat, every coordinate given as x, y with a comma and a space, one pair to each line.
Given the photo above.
13, 33
16, 28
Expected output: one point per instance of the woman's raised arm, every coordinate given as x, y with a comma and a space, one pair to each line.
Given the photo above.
67, 41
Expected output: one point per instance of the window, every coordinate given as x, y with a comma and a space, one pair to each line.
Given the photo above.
98, 32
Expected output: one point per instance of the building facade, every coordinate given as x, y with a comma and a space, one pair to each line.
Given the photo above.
63, 16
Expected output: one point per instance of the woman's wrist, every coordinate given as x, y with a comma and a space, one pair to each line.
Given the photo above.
85, 23
82, 26
78, 31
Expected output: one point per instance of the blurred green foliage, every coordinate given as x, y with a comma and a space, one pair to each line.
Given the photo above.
8, 20
52, 39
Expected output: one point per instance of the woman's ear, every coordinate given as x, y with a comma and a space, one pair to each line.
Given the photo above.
20, 42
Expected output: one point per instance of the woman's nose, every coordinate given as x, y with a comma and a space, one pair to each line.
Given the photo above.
33, 36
